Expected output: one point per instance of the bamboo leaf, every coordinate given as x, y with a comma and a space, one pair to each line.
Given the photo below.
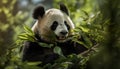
33, 63
25, 36
22, 38
45, 45
58, 50
87, 40
28, 30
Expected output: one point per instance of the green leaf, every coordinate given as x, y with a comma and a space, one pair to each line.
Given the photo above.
28, 30
22, 37
58, 50
82, 43
25, 36
33, 63
87, 40
66, 64
45, 45
28, 35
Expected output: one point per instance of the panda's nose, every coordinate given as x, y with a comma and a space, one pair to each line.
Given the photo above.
63, 32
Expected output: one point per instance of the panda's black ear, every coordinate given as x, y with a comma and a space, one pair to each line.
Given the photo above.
64, 8
38, 12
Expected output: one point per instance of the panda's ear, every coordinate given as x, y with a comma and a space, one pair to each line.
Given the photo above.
64, 8
38, 12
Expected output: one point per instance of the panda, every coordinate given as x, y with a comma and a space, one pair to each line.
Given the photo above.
53, 26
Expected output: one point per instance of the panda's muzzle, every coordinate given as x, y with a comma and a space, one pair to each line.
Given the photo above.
62, 36
64, 33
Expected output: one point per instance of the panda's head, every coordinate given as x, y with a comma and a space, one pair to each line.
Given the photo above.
53, 24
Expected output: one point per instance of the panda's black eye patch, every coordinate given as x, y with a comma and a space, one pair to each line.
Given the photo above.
54, 25
68, 27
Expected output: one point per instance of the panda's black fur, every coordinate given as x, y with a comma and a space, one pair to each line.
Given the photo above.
32, 51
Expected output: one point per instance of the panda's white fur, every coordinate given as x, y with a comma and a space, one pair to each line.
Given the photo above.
43, 24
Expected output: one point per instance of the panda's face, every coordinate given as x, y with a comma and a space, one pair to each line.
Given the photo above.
59, 23
54, 23
60, 27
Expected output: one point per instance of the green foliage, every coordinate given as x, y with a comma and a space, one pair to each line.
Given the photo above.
10, 21
111, 45
70, 62
28, 35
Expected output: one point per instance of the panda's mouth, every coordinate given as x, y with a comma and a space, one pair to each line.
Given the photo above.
61, 37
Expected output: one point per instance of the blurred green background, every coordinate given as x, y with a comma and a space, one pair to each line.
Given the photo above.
99, 20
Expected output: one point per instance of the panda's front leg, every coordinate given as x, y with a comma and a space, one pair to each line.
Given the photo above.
32, 52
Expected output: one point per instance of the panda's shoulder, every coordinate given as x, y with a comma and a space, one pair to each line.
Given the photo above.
31, 46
